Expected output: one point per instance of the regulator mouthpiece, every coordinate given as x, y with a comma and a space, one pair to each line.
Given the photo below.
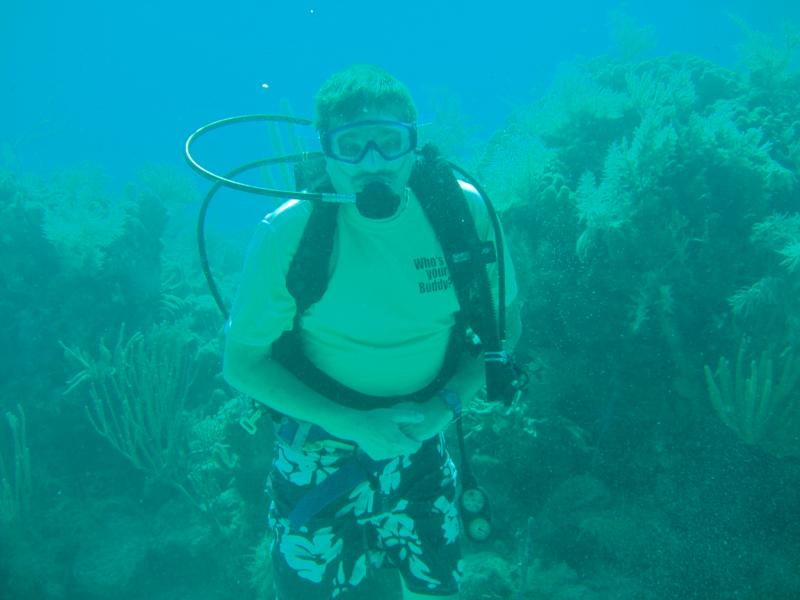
377, 201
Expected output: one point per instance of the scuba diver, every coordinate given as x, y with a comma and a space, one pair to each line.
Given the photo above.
362, 326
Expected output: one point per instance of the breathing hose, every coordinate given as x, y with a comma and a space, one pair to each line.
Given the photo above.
496, 359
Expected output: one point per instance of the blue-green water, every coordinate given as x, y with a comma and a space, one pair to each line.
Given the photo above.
645, 161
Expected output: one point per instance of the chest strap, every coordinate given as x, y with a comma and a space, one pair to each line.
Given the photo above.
288, 351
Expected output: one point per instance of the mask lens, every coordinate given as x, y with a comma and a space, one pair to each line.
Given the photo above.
348, 145
392, 139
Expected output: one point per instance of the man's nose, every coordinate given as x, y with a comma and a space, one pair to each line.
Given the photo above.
372, 160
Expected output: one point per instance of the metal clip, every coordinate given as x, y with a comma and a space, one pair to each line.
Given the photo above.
473, 337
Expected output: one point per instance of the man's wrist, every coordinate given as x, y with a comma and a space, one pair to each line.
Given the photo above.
340, 423
452, 400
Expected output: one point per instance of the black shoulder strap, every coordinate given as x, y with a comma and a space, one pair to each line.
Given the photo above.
442, 200
309, 270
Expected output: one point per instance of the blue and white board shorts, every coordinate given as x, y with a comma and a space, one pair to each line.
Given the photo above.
405, 517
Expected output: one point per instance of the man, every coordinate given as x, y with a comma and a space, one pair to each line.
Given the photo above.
370, 484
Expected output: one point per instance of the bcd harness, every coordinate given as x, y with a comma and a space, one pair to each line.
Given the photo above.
443, 203
475, 329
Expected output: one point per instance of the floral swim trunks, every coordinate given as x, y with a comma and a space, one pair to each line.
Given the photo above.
404, 516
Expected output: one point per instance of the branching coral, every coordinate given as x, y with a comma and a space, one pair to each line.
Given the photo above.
769, 63
170, 186
746, 151
630, 172
633, 168
577, 98
515, 164
671, 95
603, 207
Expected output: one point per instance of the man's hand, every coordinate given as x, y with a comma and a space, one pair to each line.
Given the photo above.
380, 432
437, 416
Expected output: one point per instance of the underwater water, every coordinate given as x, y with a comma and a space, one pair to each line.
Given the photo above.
644, 160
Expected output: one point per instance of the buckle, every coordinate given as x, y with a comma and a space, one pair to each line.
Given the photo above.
486, 253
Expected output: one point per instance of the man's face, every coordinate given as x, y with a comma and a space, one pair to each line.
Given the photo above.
373, 135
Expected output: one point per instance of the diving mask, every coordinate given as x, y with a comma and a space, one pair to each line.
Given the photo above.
350, 143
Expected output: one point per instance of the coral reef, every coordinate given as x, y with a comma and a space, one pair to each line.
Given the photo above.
651, 210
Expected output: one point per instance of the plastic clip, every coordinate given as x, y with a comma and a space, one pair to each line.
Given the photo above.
248, 423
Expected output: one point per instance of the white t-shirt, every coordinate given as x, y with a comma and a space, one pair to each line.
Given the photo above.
383, 325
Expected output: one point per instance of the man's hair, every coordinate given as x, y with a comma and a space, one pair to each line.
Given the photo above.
358, 89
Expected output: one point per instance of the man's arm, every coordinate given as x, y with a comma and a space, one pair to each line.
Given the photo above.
382, 433
251, 370
467, 382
